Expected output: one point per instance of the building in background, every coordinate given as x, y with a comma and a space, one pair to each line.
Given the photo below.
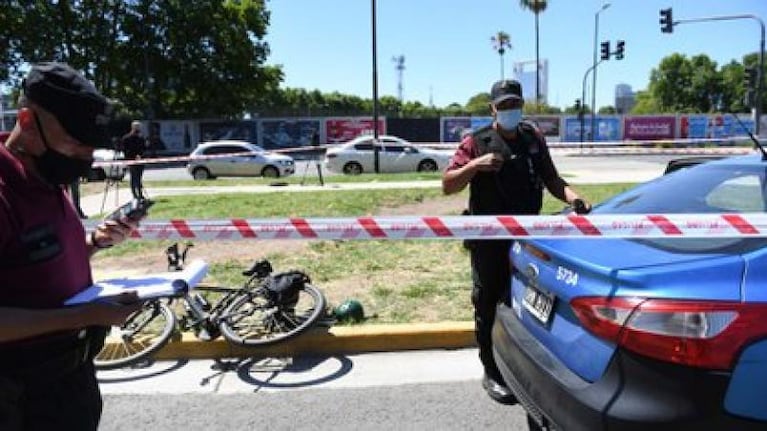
624, 99
524, 72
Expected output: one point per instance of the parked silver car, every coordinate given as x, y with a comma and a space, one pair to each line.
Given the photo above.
246, 160
395, 155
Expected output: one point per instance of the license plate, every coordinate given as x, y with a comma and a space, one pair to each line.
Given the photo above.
538, 303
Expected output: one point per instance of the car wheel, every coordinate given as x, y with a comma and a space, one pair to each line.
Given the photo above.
427, 165
270, 172
201, 174
352, 168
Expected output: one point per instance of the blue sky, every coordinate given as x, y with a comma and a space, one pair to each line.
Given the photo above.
326, 44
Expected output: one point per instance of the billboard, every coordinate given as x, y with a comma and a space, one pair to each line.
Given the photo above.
279, 133
453, 127
170, 137
345, 129
607, 128
650, 127
236, 130
548, 124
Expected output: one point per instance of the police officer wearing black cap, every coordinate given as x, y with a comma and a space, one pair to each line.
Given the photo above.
506, 166
47, 379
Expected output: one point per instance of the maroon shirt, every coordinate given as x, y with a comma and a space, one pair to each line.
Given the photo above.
43, 255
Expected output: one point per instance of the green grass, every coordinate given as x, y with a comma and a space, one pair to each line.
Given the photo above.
396, 281
297, 179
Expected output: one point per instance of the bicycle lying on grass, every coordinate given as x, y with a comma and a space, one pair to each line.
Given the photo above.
267, 309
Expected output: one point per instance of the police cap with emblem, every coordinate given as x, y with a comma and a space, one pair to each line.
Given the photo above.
73, 100
504, 90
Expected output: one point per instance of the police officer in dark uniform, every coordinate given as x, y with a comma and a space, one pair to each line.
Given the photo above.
47, 379
506, 166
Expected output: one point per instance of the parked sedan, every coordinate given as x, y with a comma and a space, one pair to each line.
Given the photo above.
638, 334
395, 155
237, 159
106, 172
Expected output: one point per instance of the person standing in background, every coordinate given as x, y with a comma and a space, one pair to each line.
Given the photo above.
134, 145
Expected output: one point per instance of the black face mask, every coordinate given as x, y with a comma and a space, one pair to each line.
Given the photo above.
56, 168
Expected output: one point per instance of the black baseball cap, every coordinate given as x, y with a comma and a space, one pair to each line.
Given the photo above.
73, 100
506, 89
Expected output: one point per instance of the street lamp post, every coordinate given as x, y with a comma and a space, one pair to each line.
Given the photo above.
376, 148
594, 64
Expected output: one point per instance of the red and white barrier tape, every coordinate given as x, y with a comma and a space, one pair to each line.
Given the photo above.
594, 147
460, 227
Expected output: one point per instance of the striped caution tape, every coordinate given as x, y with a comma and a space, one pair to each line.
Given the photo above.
459, 227
593, 147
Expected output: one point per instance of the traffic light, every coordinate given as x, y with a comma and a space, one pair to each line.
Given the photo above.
619, 48
666, 21
578, 105
749, 78
605, 50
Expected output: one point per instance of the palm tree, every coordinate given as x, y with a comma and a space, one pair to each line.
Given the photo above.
537, 6
501, 41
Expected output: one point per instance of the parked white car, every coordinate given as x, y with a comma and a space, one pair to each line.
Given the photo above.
395, 155
103, 172
248, 160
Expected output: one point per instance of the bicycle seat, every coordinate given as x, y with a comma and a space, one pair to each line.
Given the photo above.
261, 268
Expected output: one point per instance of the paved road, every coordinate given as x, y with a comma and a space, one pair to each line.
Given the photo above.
438, 389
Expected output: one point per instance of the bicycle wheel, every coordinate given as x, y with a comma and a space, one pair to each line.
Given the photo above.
144, 332
252, 320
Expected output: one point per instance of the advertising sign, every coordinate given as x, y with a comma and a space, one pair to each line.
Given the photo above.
287, 132
480, 122
453, 127
607, 129
234, 130
345, 129
648, 128
549, 124
693, 126
171, 137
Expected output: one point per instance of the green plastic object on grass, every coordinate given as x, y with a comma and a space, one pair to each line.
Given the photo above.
349, 311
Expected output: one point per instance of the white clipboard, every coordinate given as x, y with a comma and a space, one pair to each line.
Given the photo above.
146, 286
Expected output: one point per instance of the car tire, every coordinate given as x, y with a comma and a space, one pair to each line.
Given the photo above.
201, 174
270, 172
352, 168
427, 165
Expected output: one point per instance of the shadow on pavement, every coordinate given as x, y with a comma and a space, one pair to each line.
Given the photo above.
149, 365
262, 374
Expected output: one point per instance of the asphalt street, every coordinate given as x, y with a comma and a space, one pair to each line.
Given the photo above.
436, 389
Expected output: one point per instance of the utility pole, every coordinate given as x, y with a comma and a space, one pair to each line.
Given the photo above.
376, 147
399, 65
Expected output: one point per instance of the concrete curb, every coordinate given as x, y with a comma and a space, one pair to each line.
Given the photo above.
333, 340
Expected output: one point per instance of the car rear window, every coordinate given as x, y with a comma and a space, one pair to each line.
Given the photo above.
715, 188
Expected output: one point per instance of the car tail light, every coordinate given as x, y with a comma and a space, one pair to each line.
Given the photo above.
537, 252
705, 334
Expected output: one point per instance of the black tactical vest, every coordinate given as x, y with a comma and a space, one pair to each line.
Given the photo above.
517, 187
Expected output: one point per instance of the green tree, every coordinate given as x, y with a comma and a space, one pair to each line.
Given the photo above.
157, 58
479, 104
537, 7
501, 42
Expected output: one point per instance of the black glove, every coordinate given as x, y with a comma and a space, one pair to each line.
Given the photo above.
581, 207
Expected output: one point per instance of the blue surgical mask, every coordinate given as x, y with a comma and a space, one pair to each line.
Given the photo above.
508, 118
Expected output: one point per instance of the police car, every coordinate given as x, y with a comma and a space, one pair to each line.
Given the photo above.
665, 333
